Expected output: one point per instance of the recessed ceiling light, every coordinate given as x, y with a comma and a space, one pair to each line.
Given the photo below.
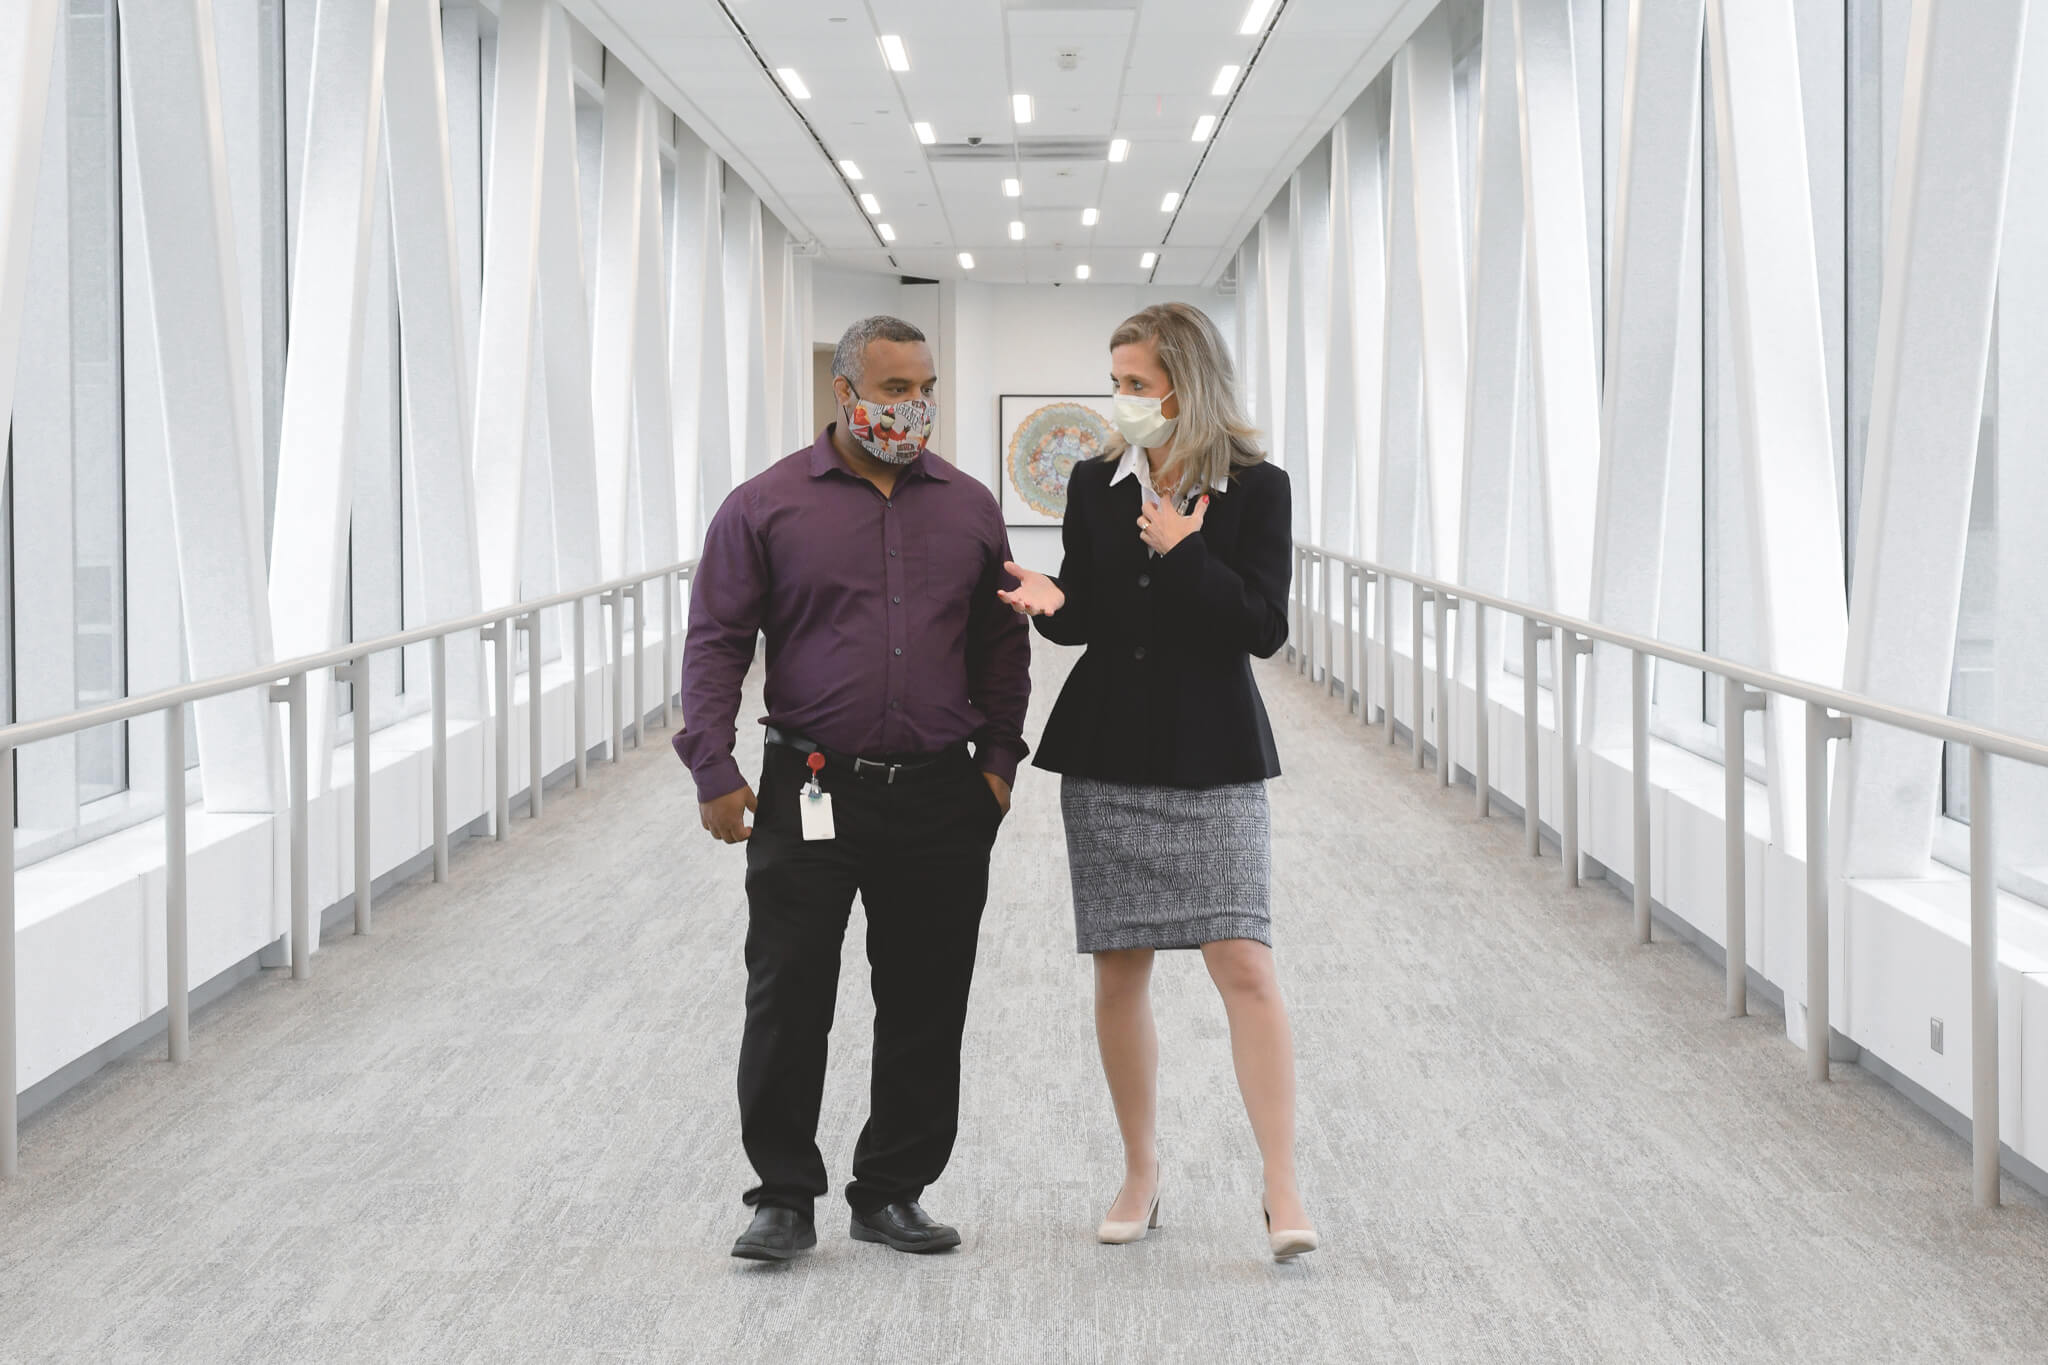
1119, 148
793, 82
870, 203
1020, 108
1080, 272
925, 133
1204, 126
1170, 202
888, 234
1012, 188
893, 53
849, 170
967, 260
1146, 261
1089, 217
1225, 78
1016, 231
1255, 17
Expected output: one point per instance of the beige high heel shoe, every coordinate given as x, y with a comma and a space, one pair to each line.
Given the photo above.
1287, 1243
1123, 1234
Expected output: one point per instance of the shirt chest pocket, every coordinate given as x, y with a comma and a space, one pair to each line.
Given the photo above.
953, 564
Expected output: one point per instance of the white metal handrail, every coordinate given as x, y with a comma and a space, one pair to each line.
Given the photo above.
1830, 713
285, 683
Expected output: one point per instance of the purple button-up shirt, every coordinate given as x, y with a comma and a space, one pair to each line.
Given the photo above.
884, 633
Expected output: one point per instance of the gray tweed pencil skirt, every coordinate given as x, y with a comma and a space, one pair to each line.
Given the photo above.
1167, 867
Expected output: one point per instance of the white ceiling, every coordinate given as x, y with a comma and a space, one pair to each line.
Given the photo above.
1143, 71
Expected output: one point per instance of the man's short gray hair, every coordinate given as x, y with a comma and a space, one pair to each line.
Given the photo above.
850, 357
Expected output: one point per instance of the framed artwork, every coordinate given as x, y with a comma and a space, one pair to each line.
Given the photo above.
1040, 438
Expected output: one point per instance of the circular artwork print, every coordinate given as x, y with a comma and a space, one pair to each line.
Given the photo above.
1049, 442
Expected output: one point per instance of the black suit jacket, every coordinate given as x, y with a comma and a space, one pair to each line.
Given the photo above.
1164, 696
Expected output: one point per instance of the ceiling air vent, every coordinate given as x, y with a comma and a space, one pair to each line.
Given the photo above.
1037, 149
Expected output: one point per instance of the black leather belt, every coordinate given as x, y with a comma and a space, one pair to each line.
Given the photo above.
885, 770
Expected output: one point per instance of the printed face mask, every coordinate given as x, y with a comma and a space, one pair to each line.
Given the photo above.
1141, 422
893, 433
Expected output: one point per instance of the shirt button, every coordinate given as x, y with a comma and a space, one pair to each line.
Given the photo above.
895, 706
892, 554
1144, 580
899, 651
1138, 653
898, 600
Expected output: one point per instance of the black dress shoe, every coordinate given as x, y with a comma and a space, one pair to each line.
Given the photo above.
905, 1227
776, 1235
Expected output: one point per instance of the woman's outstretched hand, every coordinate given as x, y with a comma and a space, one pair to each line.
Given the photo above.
1034, 595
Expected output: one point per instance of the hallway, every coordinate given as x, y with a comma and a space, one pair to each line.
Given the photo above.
503, 1128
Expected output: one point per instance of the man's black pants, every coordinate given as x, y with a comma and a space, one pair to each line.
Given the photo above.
917, 852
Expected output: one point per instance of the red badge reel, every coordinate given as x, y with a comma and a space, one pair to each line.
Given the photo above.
816, 763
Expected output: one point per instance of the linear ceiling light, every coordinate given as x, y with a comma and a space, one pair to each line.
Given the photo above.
1081, 272
1204, 126
849, 170
1119, 148
1020, 108
925, 133
1146, 261
1012, 188
1170, 202
1225, 78
793, 82
893, 53
1089, 217
967, 260
870, 203
1255, 17
887, 233
1016, 231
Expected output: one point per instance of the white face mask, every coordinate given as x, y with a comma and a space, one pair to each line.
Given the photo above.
1141, 421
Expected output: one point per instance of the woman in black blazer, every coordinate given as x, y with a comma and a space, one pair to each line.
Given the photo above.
1175, 576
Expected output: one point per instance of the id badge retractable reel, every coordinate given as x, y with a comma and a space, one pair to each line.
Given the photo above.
815, 803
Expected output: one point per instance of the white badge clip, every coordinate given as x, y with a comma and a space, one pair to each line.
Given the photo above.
816, 804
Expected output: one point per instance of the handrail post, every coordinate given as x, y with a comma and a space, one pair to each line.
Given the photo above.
578, 696
1387, 654
1419, 597
668, 650
1822, 725
1736, 702
356, 674
1570, 645
612, 600
292, 695
536, 760
499, 633
639, 660
1294, 601
177, 952
10, 1035
1983, 984
1639, 782
1351, 649
1330, 625
437, 668
1482, 774
1532, 737
1445, 604
1366, 579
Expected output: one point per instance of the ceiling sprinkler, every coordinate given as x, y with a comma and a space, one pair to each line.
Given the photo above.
1068, 58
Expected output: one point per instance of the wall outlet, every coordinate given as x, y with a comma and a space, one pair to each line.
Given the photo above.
1934, 1034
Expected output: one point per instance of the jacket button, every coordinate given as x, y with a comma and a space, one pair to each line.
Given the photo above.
1144, 580
1138, 653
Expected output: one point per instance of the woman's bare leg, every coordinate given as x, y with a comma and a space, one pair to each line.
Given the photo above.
1130, 1062
1262, 1047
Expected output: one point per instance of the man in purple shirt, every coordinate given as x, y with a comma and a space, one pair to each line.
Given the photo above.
896, 690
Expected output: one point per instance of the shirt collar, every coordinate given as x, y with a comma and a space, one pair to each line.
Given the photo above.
825, 460
1135, 465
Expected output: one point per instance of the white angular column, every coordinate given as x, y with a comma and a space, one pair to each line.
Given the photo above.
1308, 323
1439, 224
1653, 225
1780, 375
28, 37
1357, 328
309, 548
697, 343
1934, 332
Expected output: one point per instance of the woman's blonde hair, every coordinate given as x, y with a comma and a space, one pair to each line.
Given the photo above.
1212, 436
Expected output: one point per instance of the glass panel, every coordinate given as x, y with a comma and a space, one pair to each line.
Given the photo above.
1973, 680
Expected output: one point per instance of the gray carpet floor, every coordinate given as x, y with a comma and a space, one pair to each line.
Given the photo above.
502, 1128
